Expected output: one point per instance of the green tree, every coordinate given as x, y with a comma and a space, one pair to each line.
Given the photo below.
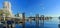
4, 12
1, 12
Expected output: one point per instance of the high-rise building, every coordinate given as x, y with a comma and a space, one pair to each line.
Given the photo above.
7, 8
19, 15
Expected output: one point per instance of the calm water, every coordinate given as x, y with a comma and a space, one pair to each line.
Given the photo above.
51, 23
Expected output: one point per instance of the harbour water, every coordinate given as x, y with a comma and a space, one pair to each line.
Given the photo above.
31, 25
51, 23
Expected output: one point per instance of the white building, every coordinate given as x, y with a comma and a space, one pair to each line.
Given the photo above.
7, 12
7, 8
19, 15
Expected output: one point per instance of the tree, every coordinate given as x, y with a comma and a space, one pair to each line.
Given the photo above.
1, 12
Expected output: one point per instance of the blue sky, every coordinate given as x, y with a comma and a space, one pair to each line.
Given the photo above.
32, 7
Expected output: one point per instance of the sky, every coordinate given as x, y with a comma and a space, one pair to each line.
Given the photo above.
32, 7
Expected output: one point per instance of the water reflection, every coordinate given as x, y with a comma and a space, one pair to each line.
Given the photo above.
48, 23
33, 24
51, 23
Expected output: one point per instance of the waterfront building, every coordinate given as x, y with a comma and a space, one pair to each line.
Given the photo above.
19, 15
6, 11
7, 8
